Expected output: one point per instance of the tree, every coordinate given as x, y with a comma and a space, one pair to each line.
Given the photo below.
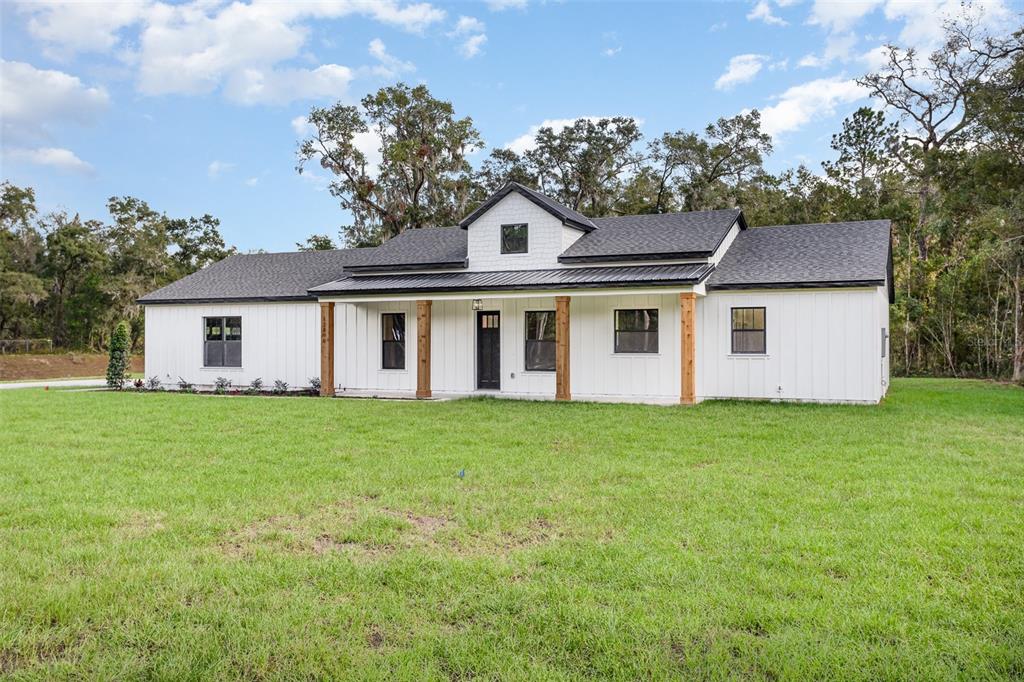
196, 243
22, 290
583, 164
423, 179
937, 98
864, 158
117, 365
501, 167
316, 242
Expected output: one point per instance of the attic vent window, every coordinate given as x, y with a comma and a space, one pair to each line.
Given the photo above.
514, 238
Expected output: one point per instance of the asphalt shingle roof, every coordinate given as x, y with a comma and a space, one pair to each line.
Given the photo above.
423, 248
646, 237
819, 253
561, 278
257, 277
567, 215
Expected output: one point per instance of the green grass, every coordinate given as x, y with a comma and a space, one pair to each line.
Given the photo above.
175, 536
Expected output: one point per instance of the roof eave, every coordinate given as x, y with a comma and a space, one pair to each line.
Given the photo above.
513, 187
517, 287
829, 284
225, 299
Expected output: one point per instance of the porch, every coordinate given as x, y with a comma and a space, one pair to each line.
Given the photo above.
636, 345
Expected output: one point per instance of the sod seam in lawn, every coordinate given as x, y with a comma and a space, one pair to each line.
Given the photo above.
170, 536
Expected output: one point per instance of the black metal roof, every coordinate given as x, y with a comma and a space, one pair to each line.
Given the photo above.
567, 215
821, 254
654, 237
561, 278
256, 277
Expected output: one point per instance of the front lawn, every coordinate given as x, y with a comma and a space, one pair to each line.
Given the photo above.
181, 536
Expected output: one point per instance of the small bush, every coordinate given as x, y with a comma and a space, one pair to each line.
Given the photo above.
185, 386
314, 384
153, 383
256, 386
117, 366
280, 387
221, 385
139, 384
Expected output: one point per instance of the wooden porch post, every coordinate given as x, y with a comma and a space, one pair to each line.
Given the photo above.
562, 391
688, 347
423, 349
326, 349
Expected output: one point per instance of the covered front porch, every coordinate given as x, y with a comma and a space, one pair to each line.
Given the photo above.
627, 344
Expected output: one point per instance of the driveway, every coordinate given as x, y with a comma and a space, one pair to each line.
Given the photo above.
56, 383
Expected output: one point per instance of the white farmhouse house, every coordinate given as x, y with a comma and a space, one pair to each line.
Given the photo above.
527, 298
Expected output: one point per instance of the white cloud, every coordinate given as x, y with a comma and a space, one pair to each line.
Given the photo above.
252, 182
502, 5
204, 46
468, 25
302, 127
838, 46
470, 31
611, 51
742, 69
803, 103
720, 26
763, 12
32, 100
471, 46
923, 19
218, 168
67, 28
54, 157
368, 143
840, 16
390, 66
528, 140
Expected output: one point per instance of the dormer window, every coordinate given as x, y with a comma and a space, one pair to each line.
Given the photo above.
514, 238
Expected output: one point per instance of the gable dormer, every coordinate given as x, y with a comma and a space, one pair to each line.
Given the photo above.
520, 229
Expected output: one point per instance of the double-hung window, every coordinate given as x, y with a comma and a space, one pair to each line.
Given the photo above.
636, 331
222, 345
514, 238
393, 340
748, 331
540, 340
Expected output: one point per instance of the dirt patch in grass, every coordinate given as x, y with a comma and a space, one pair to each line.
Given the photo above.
38, 654
366, 531
59, 366
140, 524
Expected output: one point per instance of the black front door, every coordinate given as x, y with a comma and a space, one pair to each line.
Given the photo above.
488, 350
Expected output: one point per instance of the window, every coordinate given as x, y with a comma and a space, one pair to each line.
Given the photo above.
222, 342
540, 341
636, 331
393, 345
514, 238
748, 330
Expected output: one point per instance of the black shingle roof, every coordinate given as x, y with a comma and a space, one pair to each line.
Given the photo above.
567, 215
807, 255
425, 248
650, 237
257, 277
562, 278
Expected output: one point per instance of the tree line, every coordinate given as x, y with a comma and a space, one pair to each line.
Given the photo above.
941, 154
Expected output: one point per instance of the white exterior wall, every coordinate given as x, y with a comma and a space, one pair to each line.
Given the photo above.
279, 341
822, 345
546, 237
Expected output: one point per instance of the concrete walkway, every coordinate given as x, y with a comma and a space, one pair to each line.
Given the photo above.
56, 383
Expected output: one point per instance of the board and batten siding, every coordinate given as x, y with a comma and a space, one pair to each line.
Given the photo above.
822, 345
279, 341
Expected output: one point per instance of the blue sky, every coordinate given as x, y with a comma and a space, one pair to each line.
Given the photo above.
197, 107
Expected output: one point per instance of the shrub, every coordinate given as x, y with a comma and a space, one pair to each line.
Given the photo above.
139, 384
117, 366
314, 384
153, 383
280, 387
221, 385
255, 386
186, 386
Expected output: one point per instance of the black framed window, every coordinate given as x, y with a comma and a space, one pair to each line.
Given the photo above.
222, 341
540, 340
636, 331
514, 238
748, 331
393, 340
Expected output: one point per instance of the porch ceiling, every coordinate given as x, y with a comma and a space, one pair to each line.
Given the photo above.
685, 274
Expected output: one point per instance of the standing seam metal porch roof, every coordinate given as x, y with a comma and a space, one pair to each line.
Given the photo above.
563, 278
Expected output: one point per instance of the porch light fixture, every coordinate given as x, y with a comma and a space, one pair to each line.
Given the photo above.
478, 304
